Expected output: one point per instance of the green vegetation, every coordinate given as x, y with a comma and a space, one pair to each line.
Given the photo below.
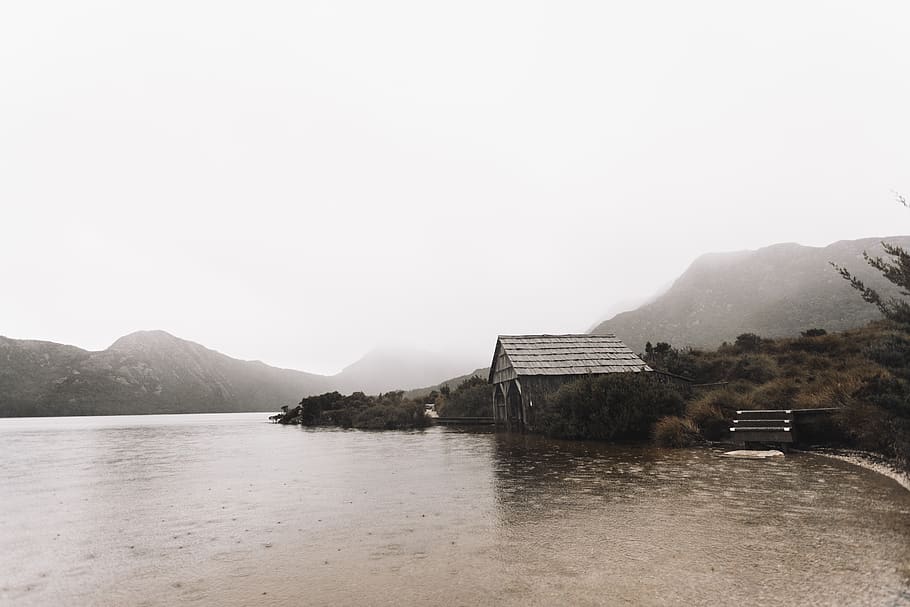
471, 398
895, 270
673, 431
389, 411
864, 372
428, 394
616, 407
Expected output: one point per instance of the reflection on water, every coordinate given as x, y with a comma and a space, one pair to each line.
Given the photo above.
228, 510
663, 526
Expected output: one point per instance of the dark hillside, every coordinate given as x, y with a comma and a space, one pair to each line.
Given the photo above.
144, 372
776, 291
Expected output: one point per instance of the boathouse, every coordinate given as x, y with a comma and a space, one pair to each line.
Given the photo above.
528, 365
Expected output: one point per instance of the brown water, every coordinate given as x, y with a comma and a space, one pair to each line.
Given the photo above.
228, 510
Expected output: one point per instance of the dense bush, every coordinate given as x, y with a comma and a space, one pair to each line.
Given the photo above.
891, 351
387, 416
712, 411
817, 343
673, 431
747, 342
884, 424
472, 398
757, 368
388, 411
666, 358
607, 407
776, 394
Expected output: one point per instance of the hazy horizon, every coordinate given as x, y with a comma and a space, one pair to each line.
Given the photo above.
302, 184
469, 361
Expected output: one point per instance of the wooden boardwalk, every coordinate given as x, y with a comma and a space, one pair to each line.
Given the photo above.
763, 426
781, 426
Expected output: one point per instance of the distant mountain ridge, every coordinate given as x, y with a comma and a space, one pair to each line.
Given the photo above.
144, 372
156, 372
775, 291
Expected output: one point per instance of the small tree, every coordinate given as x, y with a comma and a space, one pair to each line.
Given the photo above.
470, 399
896, 270
747, 342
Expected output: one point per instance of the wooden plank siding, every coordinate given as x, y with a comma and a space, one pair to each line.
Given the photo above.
502, 369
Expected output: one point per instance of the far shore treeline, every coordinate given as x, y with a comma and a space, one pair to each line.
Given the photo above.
391, 410
387, 411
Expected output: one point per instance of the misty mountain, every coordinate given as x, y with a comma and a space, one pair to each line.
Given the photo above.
452, 383
387, 369
776, 291
144, 372
156, 372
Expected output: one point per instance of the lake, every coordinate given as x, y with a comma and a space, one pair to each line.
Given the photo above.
231, 510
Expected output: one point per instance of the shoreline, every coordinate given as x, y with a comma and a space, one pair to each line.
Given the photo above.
869, 461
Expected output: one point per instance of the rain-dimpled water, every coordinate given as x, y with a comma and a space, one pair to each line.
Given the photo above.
230, 510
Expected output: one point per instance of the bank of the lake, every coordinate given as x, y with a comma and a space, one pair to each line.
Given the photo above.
869, 461
230, 510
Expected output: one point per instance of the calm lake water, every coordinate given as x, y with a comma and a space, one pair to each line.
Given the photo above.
230, 510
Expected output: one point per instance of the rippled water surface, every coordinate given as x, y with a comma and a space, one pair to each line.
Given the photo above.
228, 510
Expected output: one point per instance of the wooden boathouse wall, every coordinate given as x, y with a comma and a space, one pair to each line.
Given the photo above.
526, 367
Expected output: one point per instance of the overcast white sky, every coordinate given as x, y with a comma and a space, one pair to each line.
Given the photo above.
299, 182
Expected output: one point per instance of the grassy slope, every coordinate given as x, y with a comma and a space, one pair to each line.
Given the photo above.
865, 372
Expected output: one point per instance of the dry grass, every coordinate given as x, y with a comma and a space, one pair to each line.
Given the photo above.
864, 372
675, 431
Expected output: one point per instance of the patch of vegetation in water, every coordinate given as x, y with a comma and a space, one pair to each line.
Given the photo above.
389, 411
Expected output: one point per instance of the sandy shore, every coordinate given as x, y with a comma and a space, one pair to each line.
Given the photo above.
870, 461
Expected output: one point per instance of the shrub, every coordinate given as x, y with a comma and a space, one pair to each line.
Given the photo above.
867, 427
673, 360
813, 333
892, 351
711, 421
819, 344
793, 361
727, 401
776, 394
607, 407
387, 411
391, 417
757, 368
706, 366
747, 342
472, 398
672, 431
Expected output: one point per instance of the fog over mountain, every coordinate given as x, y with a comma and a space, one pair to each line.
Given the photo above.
303, 182
387, 369
775, 291
156, 372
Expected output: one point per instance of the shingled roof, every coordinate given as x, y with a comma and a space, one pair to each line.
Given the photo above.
567, 355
